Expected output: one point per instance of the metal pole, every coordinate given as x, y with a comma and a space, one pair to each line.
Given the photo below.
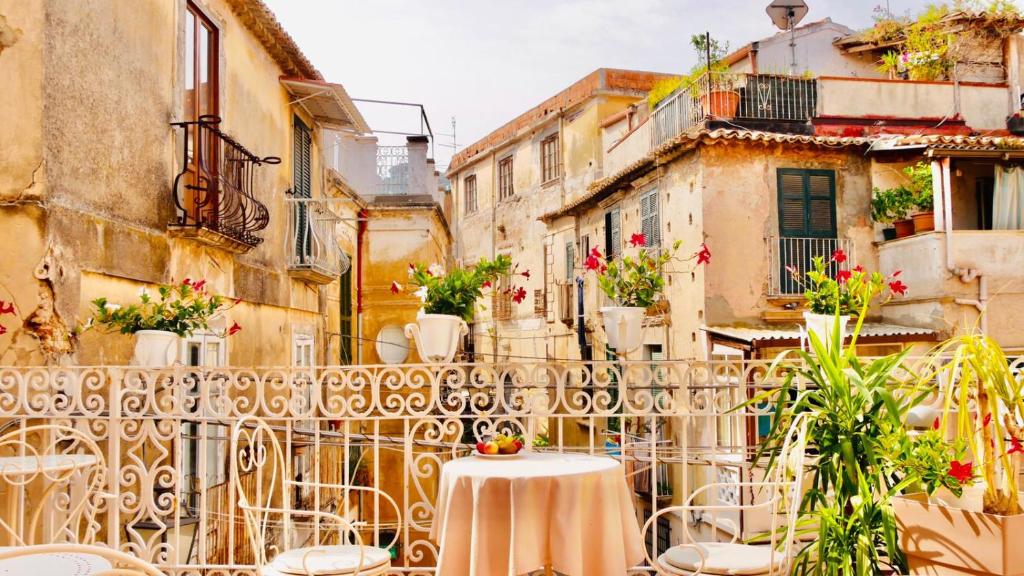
707, 49
792, 43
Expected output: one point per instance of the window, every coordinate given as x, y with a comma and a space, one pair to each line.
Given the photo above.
807, 203
650, 219
345, 296
469, 191
302, 384
505, 178
612, 234
203, 350
302, 188
201, 99
585, 244
570, 261
550, 166
540, 302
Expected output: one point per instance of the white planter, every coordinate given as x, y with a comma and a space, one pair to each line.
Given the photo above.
155, 348
822, 325
437, 336
623, 326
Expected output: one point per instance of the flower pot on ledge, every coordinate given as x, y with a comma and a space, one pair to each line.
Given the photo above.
720, 103
924, 222
940, 539
904, 228
623, 326
437, 336
155, 349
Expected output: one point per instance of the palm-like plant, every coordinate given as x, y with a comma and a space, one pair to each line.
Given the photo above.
985, 387
855, 426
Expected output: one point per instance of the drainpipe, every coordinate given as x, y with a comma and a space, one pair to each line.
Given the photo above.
966, 275
360, 233
755, 47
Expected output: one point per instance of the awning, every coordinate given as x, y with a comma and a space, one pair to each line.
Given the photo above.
998, 147
327, 103
871, 333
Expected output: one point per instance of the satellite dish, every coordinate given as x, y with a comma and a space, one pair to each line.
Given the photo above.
786, 14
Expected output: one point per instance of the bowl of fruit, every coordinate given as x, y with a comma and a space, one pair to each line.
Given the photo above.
500, 446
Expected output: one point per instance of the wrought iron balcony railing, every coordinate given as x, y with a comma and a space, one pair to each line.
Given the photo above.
736, 98
313, 251
799, 254
213, 192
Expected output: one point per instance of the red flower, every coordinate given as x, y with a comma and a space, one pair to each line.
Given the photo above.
519, 295
592, 263
839, 256
235, 329
986, 421
704, 256
897, 273
858, 268
638, 239
486, 284
395, 287
186, 282
595, 252
935, 424
1015, 446
6, 307
961, 472
3, 329
843, 275
238, 300
526, 274
198, 286
898, 287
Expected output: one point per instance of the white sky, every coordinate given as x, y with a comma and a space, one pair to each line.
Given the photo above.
486, 61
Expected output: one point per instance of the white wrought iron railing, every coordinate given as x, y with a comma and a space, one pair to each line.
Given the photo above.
739, 98
393, 170
786, 255
313, 238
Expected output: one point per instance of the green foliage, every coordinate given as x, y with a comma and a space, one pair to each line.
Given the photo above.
181, 308
850, 292
666, 87
635, 281
855, 428
919, 177
456, 292
927, 458
890, 205
985, 386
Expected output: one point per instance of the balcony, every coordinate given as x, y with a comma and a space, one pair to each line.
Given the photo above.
312, 241
799, 254
214, 199
749, 100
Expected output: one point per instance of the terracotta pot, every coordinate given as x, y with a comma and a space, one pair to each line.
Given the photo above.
924, 222
822, 325
904, 228
720, 103
943, 540
155, 348
437, 336
623, 326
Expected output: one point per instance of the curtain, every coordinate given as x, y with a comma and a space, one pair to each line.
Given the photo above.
1008, 199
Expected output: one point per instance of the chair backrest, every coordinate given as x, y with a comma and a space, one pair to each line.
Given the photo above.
57, 475
787, 484
257, 475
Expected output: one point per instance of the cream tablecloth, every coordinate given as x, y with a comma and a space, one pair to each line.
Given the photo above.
509, 517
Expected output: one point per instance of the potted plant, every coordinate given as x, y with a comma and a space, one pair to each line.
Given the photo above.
634, 284
832, 301
179, 310
984, 397
1015, 124
449, 301
889, 207
710, 81
854, 431
919, 177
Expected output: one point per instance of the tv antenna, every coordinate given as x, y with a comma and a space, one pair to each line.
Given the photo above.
786, 14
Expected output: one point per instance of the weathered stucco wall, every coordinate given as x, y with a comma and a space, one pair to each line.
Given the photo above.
98, 86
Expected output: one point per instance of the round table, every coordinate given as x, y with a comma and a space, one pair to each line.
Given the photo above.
569, 512
55, 563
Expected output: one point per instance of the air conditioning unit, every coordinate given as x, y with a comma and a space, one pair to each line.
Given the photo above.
566, 304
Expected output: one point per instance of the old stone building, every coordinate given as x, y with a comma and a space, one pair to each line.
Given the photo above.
187, 139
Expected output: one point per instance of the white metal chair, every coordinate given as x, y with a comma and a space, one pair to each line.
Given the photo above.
110, 562
782, 499
256, 454
53, 477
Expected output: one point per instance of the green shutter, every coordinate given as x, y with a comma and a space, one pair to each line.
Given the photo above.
807, 203
650, 224
302, 171
570, 258
345, 313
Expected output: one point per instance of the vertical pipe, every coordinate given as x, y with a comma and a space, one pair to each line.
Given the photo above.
363, 215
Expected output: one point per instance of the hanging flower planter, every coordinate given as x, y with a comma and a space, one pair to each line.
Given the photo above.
155, 349
437, 336
623, 327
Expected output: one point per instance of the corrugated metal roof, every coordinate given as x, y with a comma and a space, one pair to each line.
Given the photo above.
872, 330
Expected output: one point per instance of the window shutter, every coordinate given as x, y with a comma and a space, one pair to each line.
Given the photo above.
302, 173
821, 204
570, 260
649, 218
806, 203
612, 234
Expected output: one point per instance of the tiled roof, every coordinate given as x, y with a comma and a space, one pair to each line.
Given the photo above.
870, 330
688, 141
258, 18
954, 20
950, 142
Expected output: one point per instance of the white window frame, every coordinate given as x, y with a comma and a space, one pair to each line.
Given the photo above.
216, 435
